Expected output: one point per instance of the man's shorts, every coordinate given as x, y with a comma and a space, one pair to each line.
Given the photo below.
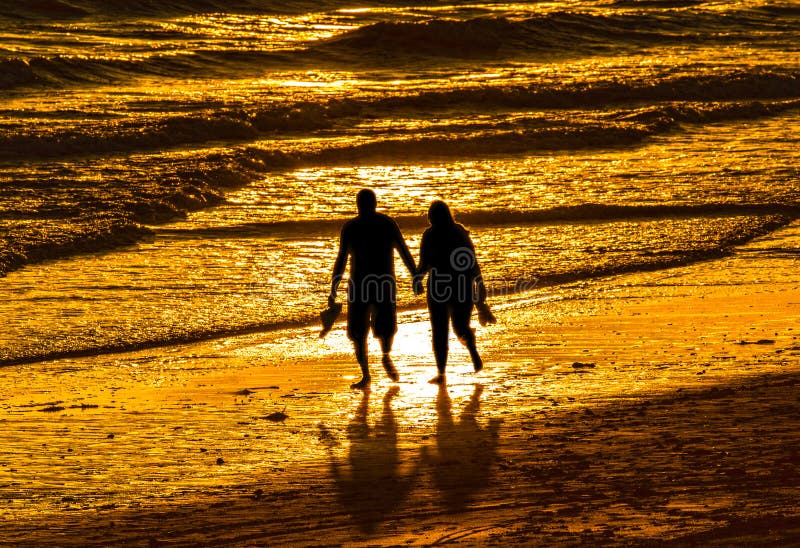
371, 309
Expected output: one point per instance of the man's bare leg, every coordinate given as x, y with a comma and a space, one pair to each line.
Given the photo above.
363, 362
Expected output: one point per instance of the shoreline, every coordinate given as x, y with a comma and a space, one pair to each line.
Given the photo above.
519, 289
680, 422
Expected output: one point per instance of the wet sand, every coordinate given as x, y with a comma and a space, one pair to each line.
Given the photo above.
647, 408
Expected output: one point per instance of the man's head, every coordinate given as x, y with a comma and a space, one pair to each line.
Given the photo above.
366, 201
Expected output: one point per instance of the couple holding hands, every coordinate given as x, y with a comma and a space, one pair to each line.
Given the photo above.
454, 283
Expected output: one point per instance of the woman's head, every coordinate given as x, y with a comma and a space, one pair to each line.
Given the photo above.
439, 214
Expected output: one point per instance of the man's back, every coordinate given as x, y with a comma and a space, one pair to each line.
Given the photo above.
371, 239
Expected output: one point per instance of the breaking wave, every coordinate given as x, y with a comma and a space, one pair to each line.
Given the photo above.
627, 126
558, 32
376, 44
736, 85
74, 9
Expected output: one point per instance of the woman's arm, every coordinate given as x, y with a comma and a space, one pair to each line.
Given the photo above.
477, 275
424, 264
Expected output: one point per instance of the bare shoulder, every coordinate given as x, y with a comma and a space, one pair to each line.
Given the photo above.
348, 227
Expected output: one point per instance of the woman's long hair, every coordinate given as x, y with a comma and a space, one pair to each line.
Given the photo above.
439, 215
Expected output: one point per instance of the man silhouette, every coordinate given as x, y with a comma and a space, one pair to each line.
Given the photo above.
370, 240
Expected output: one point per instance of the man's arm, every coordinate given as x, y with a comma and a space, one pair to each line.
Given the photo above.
339, 266
402, 248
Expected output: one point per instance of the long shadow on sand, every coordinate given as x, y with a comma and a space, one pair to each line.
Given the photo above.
464, 451
374, 487
714, 465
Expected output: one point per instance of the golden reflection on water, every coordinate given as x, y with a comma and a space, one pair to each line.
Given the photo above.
259, 31
268, 277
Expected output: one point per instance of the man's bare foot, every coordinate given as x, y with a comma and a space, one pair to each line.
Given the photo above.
363, 384
438, 379
388, 366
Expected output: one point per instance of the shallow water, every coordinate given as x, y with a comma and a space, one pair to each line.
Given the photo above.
241, 266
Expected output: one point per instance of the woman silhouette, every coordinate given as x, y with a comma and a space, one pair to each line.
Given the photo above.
455, 284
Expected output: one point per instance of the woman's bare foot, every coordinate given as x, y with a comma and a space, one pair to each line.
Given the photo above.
362, 384
388, 366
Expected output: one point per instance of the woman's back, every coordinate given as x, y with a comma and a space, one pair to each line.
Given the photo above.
448, 250
454, 283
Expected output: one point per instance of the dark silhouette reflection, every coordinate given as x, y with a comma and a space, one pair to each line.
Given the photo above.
374, 487
465, 451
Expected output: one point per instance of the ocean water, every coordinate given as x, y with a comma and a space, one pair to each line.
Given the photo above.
173, 171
